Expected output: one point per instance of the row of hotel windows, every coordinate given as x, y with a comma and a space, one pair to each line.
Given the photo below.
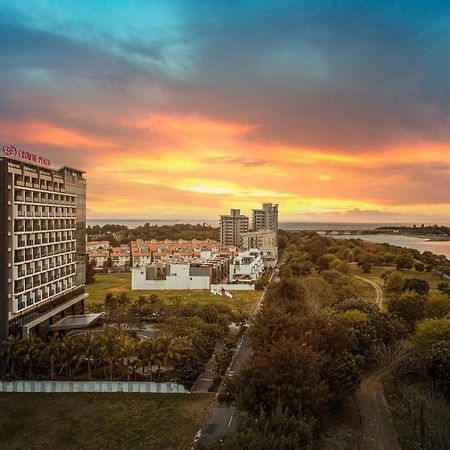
44, 265
44, 211
35, 182
44, 238
21, 195
29, 254
37, 281
33, 297
28, 225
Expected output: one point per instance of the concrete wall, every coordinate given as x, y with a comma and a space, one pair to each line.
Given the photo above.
234, 287
139, 282
92, 386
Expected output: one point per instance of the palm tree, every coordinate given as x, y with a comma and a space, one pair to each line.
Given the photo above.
30, 348
172, 350
9, 351
87, 346
148, 355
68, 355
128, 351
51, 353
109, 349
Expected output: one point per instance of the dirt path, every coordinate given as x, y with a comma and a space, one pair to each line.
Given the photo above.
376, 421
378, 291
376, 430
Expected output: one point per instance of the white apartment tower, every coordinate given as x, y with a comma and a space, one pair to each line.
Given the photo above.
265, 218
42, 243
232, 226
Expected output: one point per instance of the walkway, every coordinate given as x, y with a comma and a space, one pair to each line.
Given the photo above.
379, 295
376, 420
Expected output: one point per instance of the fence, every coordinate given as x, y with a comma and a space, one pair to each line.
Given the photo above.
92, 386
234, 287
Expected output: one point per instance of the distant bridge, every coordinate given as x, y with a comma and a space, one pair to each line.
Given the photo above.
355, 232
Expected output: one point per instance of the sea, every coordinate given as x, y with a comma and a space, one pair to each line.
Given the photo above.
418, 243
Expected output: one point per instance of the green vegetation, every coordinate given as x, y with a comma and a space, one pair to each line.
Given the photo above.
160, 335
100, 421
117, 283
121, 234
315, 337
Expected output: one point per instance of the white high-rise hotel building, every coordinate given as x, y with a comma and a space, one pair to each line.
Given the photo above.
42, 243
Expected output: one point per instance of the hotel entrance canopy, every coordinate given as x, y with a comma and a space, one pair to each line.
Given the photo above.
78, 322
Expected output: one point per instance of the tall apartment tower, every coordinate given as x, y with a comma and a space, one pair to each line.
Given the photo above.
232, 226
265, 218
42, 243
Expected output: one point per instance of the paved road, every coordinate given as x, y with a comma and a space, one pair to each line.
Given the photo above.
206, 378
222, 419
379, 292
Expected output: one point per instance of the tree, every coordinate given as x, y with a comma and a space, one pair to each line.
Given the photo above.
405, 261
142, 308
437, 305
417, 285
430, 332
128, 349
51, 353
444, 288
438, 365
149, 356
409, 307
90, 270
10, 351
272, 323
394, 283
287, 373
366, 266
288, 292
171, 350
109, 351
87, 350
30, 348
68, 355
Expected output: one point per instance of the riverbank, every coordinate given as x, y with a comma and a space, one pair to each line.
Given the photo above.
400, 240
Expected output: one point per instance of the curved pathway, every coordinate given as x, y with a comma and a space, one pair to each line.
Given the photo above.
378, 291
376, 420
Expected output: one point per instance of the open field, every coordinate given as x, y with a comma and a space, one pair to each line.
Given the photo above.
116, 283
376, 272
100, 421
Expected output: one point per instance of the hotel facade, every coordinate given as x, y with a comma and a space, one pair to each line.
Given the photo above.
42, 243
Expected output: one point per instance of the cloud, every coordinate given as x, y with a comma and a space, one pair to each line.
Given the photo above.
318, 106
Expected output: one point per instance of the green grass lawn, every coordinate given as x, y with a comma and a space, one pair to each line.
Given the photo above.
376, 272
100, 421
116, 283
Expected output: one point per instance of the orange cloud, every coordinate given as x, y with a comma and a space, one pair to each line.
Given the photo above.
35, 132
189, 125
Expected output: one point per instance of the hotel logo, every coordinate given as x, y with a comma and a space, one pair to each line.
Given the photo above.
9, 150
12, 152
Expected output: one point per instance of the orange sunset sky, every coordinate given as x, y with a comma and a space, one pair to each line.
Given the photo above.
174, 113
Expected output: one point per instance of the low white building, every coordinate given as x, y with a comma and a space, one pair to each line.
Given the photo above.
173, 276
247, 266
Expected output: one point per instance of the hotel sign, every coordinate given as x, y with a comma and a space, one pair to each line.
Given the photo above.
13, 152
